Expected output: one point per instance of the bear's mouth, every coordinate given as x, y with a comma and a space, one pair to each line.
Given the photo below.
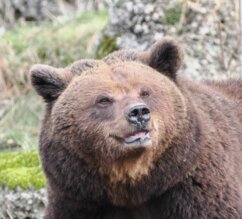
138, 138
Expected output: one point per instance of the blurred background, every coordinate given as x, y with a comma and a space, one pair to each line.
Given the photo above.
59, 32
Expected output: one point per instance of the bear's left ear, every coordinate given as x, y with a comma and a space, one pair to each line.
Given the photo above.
165, 56
49, 82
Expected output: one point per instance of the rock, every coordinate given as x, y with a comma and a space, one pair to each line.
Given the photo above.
147, 18
19, 11
129, 6
149, 9
155, 17
138, 29
21, 203
145, 28
204, 30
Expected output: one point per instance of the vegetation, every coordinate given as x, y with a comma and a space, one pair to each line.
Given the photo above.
20, 124
58, 44
106, 46
21, 169
173, 15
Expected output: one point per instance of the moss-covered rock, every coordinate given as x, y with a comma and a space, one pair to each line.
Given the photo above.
106, 45
21, 169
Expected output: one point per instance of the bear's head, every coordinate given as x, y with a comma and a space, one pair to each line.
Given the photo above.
119, 114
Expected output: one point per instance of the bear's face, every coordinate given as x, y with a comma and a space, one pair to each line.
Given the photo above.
119, 117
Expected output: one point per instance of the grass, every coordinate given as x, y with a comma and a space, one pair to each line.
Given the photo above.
19, 131
107, 45
20, 124
57, 44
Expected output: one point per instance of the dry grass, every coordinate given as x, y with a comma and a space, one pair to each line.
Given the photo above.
57, 44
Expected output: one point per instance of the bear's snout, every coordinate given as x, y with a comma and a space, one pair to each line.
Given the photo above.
138, 114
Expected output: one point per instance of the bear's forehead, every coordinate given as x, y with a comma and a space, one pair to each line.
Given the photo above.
122, 72
122, 77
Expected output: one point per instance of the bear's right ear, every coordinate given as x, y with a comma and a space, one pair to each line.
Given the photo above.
49, 82
165, 56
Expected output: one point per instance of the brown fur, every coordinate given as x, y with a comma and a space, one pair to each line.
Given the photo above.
191, 169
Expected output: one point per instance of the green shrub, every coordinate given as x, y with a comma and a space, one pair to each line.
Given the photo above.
173, 15
106, 46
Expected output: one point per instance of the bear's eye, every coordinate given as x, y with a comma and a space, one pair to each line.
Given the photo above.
145, 92
103, 101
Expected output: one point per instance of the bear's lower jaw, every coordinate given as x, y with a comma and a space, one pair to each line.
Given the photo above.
140, 142
137, 139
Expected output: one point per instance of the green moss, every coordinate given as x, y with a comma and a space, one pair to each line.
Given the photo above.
173, 15
21, 169
106, 46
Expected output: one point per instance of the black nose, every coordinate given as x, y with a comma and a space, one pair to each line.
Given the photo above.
138, 114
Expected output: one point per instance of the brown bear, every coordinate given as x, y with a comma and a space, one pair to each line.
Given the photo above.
127, 137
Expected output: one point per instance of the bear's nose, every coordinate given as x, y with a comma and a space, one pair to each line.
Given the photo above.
138, 114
